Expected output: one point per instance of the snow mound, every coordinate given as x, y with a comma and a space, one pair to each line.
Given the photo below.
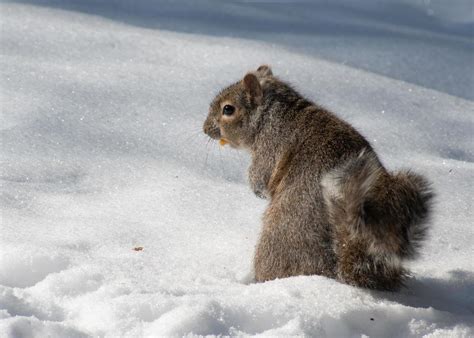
24, 267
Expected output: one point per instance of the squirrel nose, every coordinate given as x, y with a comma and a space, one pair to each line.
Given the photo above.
211, 129
205, 127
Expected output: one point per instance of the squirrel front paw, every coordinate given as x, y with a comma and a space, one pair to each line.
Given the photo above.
257, 184
259, 191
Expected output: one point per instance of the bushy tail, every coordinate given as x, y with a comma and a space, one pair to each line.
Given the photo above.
389, 212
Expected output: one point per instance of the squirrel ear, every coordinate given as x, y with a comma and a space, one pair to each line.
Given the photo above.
252, 87
264, 71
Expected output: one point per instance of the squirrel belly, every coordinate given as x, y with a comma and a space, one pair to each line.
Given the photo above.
334, 210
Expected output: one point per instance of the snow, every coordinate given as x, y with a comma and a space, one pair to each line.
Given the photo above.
102, 104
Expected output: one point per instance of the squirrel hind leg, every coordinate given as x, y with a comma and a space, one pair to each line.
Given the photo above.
346, 188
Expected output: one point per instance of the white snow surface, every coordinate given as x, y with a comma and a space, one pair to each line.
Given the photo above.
102, 104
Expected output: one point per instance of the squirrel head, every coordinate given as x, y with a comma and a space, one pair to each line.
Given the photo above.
232, 112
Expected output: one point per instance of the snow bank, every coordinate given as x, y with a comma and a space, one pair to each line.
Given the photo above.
102, 153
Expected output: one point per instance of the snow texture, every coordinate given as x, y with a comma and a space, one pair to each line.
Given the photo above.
102, 152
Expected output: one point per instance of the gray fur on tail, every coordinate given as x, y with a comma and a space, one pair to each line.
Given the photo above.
389, 212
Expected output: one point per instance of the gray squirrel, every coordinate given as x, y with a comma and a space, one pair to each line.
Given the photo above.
334, 210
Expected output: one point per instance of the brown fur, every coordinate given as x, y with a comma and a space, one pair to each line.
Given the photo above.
333, 208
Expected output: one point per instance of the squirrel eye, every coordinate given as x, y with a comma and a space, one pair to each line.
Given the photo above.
228, 110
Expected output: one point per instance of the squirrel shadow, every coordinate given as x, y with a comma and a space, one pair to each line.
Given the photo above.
450, 303
454, 295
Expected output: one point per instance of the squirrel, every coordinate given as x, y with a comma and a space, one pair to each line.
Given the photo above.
334, 210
